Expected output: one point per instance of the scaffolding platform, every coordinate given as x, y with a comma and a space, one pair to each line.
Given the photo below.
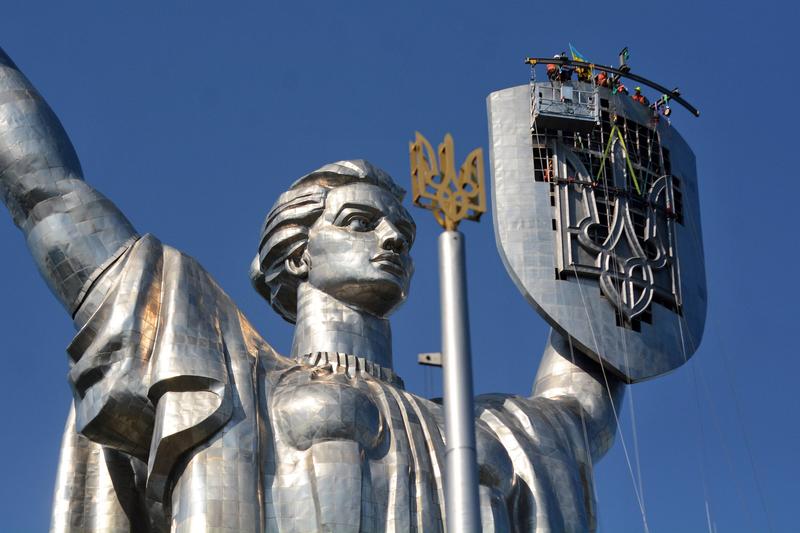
565, 106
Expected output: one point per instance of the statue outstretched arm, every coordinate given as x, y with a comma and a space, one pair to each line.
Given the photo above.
567, 374
71, 229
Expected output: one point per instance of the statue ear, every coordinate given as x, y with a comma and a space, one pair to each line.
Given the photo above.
298, 266
257, 279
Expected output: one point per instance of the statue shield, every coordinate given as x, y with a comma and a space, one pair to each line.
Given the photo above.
597, 220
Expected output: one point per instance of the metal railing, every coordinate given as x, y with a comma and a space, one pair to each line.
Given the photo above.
674, 94
567, 100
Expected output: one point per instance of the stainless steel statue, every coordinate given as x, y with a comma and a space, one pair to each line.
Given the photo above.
185, 419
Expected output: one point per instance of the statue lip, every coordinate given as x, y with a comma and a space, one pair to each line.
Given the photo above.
390, 262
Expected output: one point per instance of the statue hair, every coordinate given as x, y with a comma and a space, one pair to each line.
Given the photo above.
284, 233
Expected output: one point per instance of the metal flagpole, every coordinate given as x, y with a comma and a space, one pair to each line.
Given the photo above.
461, 479
453, 197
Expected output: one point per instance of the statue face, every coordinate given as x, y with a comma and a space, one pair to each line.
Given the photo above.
358, 249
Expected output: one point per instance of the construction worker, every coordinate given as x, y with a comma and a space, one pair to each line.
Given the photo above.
602, 79
620, 89
553, 70
662, 104
565, 72
639, 97
559, 72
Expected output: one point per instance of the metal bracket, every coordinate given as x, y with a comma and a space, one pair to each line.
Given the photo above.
430, 359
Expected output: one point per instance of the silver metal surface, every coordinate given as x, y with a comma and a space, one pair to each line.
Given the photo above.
430, 359
461, 483
558, 105
70, 228
621, 274
186, 420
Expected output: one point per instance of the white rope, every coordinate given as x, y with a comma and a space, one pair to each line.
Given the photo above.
737, 405
634, 429
637, 488
583, 426
613, 407
701, 431
635, 432
745, 439
726, 450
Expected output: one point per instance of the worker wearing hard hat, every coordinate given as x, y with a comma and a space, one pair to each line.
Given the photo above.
639, 97
565, 72
559, 72
553, 70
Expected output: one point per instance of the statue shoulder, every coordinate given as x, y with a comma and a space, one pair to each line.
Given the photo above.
150, 278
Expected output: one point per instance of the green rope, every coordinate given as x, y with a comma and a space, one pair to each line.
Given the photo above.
615, 129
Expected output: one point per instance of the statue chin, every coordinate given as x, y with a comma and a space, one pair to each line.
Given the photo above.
114, 412
376, 297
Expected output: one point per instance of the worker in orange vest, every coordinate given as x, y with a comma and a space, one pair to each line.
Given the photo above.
639, 97
552, 71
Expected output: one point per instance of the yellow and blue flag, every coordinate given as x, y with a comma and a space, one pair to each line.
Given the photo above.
576, 56
583, 73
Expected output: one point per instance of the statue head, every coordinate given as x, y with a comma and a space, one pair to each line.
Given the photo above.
343, 230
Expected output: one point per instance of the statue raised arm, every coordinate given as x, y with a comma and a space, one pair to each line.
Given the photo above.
149, 375
71, 229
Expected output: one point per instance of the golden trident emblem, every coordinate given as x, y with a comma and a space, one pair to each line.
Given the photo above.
452, 197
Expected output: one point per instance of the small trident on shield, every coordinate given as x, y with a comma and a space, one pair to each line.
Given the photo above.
452, 197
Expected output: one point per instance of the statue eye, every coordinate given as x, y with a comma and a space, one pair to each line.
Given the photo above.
359, 223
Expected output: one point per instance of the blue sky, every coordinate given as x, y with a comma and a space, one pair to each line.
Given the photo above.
194, 117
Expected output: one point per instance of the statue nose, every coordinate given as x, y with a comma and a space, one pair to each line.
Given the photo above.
391, 238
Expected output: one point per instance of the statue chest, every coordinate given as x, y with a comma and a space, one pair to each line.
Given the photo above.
355, 453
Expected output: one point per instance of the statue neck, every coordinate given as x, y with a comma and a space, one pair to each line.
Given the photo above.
325, 324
